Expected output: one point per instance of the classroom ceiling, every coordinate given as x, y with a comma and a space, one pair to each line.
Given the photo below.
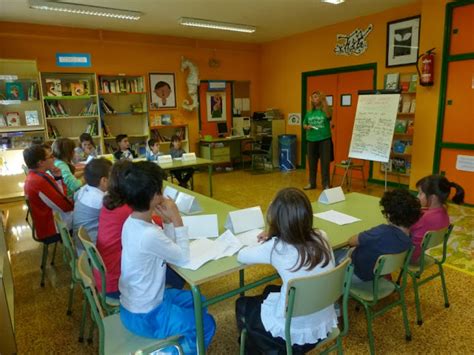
274, 19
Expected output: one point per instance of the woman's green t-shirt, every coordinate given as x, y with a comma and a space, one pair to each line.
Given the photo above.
317, 118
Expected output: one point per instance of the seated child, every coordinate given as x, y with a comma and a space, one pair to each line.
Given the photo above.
153, 151
88, 200
295, 249
176, 151
402, 210
85, 150
147, 308
124, 151
63, 150
433, 192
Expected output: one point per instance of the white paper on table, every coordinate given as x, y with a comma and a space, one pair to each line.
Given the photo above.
246, 219
187, 204
336, 217
249, 238
170, 192
203, 226
200, 252
227, 245
189, 156
165, 159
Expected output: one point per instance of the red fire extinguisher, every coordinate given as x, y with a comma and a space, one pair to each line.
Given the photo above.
426, 74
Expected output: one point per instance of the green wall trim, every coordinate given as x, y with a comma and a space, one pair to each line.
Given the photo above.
452, 145
389, 183
446, 59
304, 94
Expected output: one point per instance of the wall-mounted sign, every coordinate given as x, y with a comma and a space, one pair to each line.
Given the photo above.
294, 119
465, 163
73, 60
354, 43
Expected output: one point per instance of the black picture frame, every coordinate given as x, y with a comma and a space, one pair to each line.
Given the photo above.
403, 42
346, 100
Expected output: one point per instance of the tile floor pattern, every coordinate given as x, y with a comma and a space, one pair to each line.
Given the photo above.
42, 325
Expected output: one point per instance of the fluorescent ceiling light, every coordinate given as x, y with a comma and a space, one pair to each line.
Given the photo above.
225, 26
84, 9
334, 2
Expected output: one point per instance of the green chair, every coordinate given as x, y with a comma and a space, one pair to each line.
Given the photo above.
370, 292
46, 242
110, 305
430, 240
311, 294
113, 337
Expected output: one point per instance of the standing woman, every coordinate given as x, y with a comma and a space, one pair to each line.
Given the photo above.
318, 135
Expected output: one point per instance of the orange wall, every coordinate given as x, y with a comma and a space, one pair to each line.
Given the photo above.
119, 52
283, 61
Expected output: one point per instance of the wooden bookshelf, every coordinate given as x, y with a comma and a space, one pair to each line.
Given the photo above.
163, 134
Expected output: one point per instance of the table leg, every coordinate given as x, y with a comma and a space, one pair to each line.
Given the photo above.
198, 319
242, 281
210, 179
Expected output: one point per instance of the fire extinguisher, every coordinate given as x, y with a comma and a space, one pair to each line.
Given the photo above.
426, 74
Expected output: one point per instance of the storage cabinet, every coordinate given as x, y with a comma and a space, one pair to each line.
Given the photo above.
272, 128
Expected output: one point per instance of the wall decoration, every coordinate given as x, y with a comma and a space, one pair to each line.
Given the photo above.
192, 81
391, 81
329, 100
216, 106
354, 43
294, 119
346, 100
14, 91
162, 91
403, 41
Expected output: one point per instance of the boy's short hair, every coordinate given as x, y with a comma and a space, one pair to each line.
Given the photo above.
400, 207
120, 137
151, 142
33, 155
160, 84
142, 182
86, 137
96, 169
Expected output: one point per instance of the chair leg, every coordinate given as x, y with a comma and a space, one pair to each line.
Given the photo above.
54, 253
71, 297
419, 319
363, 178
339, 345
83, 321
243, 336
443, 283
90, 338
44, 260
370, 334
405, 317
350, 179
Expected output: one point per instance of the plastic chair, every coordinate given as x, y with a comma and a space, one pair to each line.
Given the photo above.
113, 337
110, 305
260, 152
370, 292
46, 242
307, 295
430, 240
349, 167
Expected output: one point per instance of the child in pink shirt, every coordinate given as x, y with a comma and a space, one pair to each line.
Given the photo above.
433, 192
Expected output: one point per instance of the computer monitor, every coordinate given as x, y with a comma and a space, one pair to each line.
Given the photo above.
222, 129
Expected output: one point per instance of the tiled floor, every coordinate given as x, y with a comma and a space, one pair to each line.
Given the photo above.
42, 325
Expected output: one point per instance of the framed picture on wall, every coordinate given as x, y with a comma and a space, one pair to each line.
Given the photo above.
346, 100
403, 37
216, 106
329, 100
162, 91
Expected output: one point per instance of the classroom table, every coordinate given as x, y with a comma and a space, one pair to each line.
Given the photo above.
226, 151
358, 205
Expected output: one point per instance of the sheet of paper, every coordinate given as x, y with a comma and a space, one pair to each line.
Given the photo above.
227, 245
201, 251
249, 238
246, 219
336, 217
203, 226
170, 192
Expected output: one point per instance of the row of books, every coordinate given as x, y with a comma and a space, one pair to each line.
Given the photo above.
20, 142
180, 132
397, 165
89, 110
404, 126
407, 105
92, 128
121, 86
56, 87
392, 81
55, 109
16, 91
13, 119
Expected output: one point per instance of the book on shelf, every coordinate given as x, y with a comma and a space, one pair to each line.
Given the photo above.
53, 87
410, 127
13, 119
402, 146
399, 165
32, 92
66, 88
77, 89
116, 86
52, 131
413, 106
413, 81
391, 81
406, 105
404, 85
92, 128
400, 126
3, 122
106, 107
90, 109
86, 86
55, 109
14, 91
32, 118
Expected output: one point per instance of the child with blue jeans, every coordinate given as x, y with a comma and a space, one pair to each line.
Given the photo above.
147, 308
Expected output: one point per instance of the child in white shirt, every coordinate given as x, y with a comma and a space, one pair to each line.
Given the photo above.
295, 249
147, 308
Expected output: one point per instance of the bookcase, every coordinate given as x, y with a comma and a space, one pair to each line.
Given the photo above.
70, 104
123, 109
399, 166
21, 121
163, 134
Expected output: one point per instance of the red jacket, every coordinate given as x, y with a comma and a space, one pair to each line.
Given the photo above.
45, 194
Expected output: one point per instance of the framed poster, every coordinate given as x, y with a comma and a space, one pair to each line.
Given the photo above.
403, 37
216, 106
162, 91
346, 100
